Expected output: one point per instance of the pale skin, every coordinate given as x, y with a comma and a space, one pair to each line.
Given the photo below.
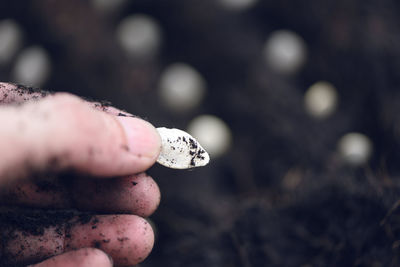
42, 134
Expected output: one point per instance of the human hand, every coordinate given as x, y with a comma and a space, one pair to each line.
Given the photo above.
44, 136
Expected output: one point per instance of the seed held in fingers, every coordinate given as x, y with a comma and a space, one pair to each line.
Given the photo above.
180, 150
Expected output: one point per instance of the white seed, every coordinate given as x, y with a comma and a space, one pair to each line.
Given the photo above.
179, 150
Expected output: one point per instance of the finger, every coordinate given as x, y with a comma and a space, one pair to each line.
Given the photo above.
128, 239
62, 132
39, 194
85, 257
18, 94
136, 194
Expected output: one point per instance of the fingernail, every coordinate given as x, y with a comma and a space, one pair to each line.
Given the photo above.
142, 138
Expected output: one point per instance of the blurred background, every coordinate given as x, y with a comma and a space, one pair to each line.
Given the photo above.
296, 101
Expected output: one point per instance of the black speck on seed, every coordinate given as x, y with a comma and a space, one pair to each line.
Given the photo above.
193, 144
94, 226
134, 183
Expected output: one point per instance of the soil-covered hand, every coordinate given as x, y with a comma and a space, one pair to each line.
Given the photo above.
59, 202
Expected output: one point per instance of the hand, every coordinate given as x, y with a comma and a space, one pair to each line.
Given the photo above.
43, 140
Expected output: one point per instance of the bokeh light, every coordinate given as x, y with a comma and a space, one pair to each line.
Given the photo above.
212, 133
10, 40
285, 51
182, 88
32, 66
108, 5
355, 148
139, 35
321, 100
238, 4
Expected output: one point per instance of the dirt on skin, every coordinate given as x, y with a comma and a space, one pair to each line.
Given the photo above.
32, 222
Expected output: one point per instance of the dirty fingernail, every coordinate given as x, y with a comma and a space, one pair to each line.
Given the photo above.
142, 138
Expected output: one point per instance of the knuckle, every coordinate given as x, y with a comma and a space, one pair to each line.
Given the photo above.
72, 111
70, 108
66, 99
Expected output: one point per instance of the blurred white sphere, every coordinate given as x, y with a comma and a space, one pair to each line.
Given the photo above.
10, 39
107, 5
139, 35
32, 66
355, 148
238, 4
181, 87
212, 133
285, 51
321, 99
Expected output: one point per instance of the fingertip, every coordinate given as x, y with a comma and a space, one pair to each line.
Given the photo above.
145, 194
141, 228
85, 257
128, 239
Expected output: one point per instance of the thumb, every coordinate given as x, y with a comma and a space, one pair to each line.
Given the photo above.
62, 131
